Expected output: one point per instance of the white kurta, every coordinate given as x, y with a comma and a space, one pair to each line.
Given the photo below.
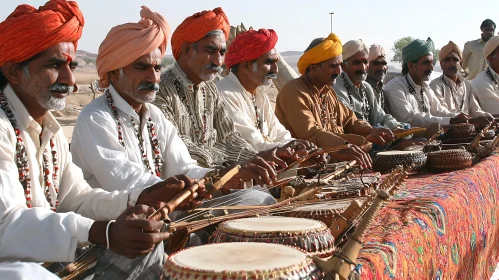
449, 93
487, 92
405, 107
241, 109
38, 234
108, 165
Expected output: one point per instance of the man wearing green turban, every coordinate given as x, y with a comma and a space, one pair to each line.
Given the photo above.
409, 97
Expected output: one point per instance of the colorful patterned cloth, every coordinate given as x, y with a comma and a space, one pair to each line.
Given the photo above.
438, 227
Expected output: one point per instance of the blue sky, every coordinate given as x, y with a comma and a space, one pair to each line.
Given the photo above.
298, 22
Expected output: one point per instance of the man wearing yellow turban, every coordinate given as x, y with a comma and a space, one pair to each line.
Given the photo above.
453, 91
486, 85
309, 108
409, 97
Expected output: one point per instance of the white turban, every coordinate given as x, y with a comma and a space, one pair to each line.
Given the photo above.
490, 46
376, 51
352, 47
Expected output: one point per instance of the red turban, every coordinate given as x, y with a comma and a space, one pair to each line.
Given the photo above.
249, 46
29, 31
195, 27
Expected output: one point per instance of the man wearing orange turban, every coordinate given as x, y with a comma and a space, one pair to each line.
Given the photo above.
309, 108
452, 90
46, 207
190, 100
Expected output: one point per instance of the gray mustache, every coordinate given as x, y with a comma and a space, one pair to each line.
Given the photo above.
213, 67
272, 76
61, 88
148, 86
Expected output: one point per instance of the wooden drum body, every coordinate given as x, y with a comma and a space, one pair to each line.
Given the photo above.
461, 130
386, 161
448, 160
311, 236
238, 261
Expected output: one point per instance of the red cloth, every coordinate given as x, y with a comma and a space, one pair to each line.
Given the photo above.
249, 46
29, 31
195, 27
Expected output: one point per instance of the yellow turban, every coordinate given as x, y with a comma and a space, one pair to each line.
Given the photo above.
490, 46
451, 47
329, 48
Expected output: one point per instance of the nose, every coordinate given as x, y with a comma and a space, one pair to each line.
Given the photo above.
152, 75
274, 68
66, 76
218, 59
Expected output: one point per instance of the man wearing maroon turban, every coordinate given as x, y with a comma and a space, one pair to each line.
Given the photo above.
252, 60
47, 209
190, 100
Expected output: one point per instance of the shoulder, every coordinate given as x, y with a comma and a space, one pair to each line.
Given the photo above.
292, 87
396, 83
436, 82
97, 108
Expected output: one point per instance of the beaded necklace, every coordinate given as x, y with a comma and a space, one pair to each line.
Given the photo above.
190, 110
158, 161
23, 163
453, 95
365, 110
489, 74
257, 123
413, 92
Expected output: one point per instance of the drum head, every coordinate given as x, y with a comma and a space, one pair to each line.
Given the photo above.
272, 224
340, 205
389, 153
239, 256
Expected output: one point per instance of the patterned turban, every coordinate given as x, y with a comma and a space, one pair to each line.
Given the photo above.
417, 49
376, 51
29, 31
451, 47
195, 27
127, 42
329, 48
490, 46
249, 46
352, 47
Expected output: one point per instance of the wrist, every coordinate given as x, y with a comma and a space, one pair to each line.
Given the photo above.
97, 233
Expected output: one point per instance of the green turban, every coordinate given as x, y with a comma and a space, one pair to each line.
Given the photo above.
417, 49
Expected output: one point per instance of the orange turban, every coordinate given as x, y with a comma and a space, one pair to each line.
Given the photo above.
127, 42
29, 31
195, 27
451, 47
249, 46
329, 48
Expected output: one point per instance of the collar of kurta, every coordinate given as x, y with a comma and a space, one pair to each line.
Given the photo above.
451, 82
23, 117
418, 88
235, 81
377, 85
123, 106
180, 75
313, 90
494, 73
349, 81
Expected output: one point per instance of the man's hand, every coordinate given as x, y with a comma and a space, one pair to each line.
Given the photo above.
130, 235
380, 136
461, 118
354, 153
480, 122
256, 169
157, 195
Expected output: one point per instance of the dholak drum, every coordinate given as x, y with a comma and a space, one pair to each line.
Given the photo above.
311, 236
324, 212
461, 130
448, 160
386, 161
238, 261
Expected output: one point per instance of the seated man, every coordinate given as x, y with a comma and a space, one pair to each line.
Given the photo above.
121, 141
308, 106
376, 72
46, 207
252, 60
486, 85
453, 91
190, 100
410, 99
355, 93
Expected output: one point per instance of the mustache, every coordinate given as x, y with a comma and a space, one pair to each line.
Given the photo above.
272, 76
61, 88
360, 72
148, 86
454, 68
212, 66
428, 72
334, 76
379, 72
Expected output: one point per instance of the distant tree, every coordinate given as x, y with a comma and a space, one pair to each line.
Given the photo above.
400, 44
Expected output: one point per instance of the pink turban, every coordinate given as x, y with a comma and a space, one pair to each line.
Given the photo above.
29, 31
376, 51
127, 42
249, 46
195, 27
490, 46
451, 47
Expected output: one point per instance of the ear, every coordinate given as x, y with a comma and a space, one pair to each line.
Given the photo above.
114, 75
246, 66
12, 72
186, 47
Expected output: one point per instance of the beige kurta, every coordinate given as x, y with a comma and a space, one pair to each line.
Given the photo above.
317, 115
473, 60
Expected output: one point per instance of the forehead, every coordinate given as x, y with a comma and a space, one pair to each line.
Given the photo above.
270, 54
379, 59
427, 57
153, 57
217, 41
335, 60
64, 50
452, 55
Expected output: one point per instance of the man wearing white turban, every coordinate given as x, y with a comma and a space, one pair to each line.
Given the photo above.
376, 72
